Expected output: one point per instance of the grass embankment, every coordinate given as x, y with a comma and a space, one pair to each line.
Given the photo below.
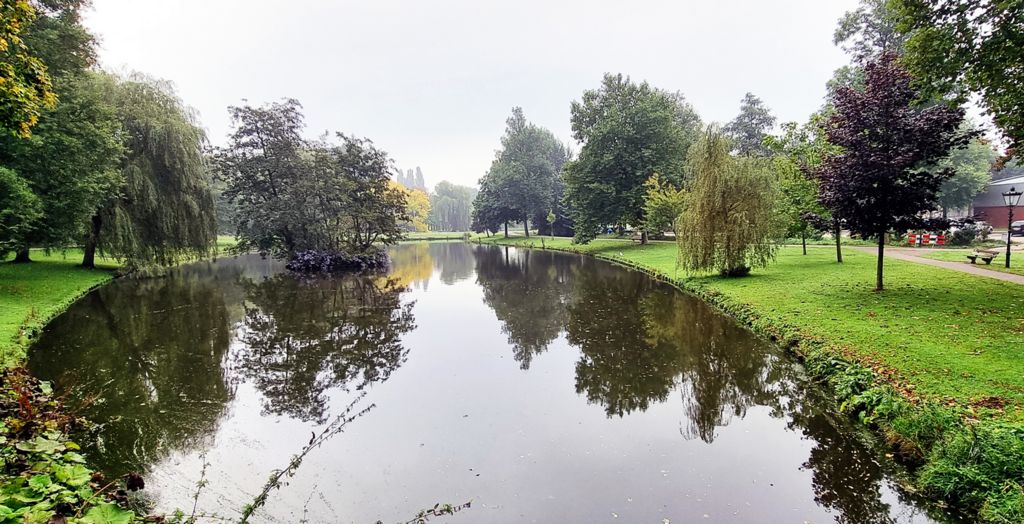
998, 264
416, 236
934, 363
32, 294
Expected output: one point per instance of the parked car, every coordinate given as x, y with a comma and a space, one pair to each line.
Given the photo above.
1017, 228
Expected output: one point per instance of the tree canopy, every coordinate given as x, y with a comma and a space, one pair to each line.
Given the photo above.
629, 132
451, 207
968, 46
749, 129
972, 171
295, 195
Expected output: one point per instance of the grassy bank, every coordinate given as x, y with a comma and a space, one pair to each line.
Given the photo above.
934, 363
32, 294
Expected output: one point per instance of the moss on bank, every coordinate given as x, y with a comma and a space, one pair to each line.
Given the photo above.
932, 364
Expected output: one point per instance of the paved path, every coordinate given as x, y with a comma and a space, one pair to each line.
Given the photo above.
910, 256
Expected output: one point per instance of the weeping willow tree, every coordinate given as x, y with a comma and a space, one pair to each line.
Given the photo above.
164, 212
729, 222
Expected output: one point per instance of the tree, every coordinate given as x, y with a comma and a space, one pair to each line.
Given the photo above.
70, 162
490, 211
451, 207
798, 151
972, 171
968, 46
292, 195
629, 132
663, 204
869, 31
25, 85
729, 223
418, 208
19, 209
524, 178
749, 129
878, 181
164, 212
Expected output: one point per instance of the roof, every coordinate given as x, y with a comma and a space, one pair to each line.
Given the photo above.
1014, 180
993, 195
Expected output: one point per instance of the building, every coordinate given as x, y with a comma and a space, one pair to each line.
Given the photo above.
989, 205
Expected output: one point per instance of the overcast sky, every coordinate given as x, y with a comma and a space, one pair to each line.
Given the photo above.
433, 81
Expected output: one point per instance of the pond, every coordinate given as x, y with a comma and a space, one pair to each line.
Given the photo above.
539, 386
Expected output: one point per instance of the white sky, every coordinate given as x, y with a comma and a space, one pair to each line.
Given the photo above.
432, 82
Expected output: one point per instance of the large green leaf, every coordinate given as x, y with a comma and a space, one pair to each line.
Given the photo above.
40, 445
108, 514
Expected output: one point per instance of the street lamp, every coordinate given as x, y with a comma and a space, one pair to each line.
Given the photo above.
1010, 198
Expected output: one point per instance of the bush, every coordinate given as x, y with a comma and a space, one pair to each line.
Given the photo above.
313, 261
964, 235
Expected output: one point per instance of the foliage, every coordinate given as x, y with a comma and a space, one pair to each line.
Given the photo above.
71, 161
451, 207
417, 208
729, 222
327, 262
629, 132
968, 46
292, 195
750, 128
524, 178
869, 31
972, 171
19, 209
44, 478
164, 213
663, 204
25, 86
877, 183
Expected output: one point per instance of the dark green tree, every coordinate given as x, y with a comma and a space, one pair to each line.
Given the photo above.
20, 208
961, 47
749, 129
629, 132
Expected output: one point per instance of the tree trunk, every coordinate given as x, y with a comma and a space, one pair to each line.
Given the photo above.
837, 232
506, 229
881, 260
643, 237
526, 226
89, 257
21, 256
803, 241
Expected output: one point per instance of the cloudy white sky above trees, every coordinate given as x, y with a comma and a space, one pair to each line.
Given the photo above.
433, 81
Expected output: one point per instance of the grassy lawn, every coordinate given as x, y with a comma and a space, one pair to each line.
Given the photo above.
32, 294
959, 255
935, 333
434, 235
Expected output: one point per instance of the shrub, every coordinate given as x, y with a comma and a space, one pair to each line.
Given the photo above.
964, 235
313, 261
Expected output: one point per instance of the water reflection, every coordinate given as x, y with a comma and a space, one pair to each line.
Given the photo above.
617, 380
304, 336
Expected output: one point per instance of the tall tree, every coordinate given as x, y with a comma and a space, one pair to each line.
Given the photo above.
165, 211
879, 181
418, 208
968, 46
972, 171
70, 162
729, 220
25, 86
451, 207
749, 129
869, 31
663, 205
629, 132
526, 170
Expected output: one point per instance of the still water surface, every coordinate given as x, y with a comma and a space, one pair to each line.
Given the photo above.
543, 387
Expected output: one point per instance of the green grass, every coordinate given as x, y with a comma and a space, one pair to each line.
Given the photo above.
434, 235
960, 255
935, 333
32, 294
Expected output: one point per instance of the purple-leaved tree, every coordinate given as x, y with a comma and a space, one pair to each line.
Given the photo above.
884, 177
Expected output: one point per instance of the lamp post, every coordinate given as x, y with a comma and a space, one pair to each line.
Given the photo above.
1010, 198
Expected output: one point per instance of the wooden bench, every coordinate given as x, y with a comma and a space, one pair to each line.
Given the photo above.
985, 256
637, 238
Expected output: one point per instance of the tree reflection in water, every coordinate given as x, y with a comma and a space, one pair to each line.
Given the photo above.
640, 340
303, 336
